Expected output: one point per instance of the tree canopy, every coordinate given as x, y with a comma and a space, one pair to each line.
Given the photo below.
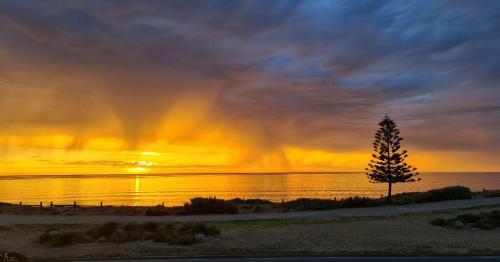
388, 164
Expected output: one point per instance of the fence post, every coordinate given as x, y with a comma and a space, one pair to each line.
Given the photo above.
41, 203
20, 203
51, 204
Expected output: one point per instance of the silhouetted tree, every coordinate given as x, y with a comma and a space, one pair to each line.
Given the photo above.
388, 164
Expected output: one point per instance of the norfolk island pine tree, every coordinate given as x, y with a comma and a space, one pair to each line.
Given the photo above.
388, 164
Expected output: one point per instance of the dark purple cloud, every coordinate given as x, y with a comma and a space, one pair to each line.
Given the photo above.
315, 74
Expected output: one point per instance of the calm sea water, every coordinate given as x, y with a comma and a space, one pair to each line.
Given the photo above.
174, 189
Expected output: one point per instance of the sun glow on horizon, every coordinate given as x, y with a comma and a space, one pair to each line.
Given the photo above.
176, 158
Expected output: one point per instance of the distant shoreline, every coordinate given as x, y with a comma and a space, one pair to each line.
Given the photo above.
5, 175
213, 205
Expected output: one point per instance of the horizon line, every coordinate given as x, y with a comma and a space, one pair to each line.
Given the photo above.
226, 173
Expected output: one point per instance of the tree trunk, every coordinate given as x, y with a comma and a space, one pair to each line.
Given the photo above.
389, 195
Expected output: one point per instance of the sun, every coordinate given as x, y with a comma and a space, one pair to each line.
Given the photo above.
137, 169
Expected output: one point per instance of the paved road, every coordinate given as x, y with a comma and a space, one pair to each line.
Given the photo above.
8, 219
328, 259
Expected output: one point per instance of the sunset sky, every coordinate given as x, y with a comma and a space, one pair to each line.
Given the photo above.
246, 86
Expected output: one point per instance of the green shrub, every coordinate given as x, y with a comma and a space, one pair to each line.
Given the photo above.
469, 218
303, 204
409, 198
198, 228
169, 227
132, 236
167, 233
360, 202
448, 193
485, 221
165, 236
440, 222
491, 193
57, 239
132, 226
45, 237
104, 230
211, 205
185, 234
150, 226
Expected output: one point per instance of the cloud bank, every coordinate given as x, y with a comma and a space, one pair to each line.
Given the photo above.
254, 78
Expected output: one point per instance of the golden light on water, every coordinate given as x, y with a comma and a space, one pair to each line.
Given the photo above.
175, 189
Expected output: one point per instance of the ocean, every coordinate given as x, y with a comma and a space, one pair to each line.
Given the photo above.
176, 189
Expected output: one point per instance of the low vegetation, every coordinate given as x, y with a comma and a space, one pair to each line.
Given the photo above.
158, 211
435, 195
252, 201
213, 205
491, 193
210, 205
173, 234
303, 204
485, 221
187, 234
442, 194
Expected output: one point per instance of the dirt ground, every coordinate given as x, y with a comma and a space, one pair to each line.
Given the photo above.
408, 235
